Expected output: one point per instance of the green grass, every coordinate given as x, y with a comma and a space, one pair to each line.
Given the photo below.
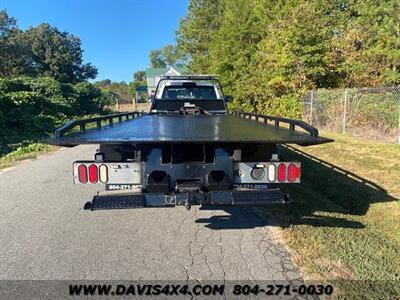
30, 151
344, 221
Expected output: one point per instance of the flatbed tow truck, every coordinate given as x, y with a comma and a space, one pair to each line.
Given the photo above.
188, 150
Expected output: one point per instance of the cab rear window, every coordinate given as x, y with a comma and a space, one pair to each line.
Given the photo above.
189, 92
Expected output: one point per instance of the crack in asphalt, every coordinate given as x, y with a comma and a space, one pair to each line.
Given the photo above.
192, 257
205, 255
161, 247
263, 240
223, 257
243, 258
263, 245
149, 270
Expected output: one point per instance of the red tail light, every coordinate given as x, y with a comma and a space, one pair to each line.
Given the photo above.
281, 173
82, 174
93, 173
291, 173
298, 172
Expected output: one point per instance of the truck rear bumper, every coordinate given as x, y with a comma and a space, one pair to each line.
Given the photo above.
214, 198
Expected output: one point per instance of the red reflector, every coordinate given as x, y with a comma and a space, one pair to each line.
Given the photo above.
298, 172
93, 173
281, 173
291, 173
82, 174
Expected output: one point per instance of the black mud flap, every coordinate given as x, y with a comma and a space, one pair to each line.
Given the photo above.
214, 198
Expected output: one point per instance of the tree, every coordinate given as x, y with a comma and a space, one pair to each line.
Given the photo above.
7, 24
268, 53
157, 59
120, 90
31, 108
197, 31
15, 56
139, 76
139, 79
292, 57
236, 43
53, 87
169, 55
173, 56
58, 54
41, 51
370, 43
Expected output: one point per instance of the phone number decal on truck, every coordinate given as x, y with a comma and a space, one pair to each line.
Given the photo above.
115, 187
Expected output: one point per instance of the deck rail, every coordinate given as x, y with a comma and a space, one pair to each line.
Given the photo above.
277, 121
61, 131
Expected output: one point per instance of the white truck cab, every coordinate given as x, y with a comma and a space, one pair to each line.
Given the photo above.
201, 91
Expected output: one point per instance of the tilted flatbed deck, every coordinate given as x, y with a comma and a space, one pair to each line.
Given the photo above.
189, 150
175, 128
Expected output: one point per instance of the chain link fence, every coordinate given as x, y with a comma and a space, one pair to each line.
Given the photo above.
371, 113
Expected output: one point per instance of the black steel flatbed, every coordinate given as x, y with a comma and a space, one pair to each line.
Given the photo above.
175, 128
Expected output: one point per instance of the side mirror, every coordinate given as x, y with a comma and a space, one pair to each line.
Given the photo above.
228, 98
152, 98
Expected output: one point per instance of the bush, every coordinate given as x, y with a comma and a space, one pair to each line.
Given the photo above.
32, 108
23, 150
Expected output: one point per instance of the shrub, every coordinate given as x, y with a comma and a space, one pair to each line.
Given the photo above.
32, 108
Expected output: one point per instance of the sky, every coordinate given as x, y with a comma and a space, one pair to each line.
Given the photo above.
117, 35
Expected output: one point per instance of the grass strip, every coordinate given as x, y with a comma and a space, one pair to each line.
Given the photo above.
344, 220
30, 151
